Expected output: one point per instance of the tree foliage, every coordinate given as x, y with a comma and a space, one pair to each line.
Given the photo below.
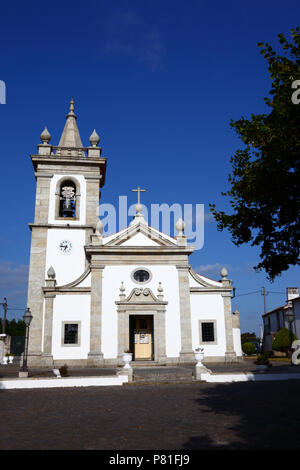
248, 348
264, 193
248, 337
282, 340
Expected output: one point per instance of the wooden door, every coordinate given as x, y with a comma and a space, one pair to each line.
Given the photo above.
143, 337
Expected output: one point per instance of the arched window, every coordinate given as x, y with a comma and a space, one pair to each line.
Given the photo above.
67, 199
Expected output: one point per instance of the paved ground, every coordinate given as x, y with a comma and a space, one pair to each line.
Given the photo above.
12, 370
179, 416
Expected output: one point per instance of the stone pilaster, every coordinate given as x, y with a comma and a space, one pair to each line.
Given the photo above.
186, 353
95, 356
48, 325
35, 294
123, 334
230, 355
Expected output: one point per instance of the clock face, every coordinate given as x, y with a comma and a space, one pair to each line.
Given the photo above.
65, 247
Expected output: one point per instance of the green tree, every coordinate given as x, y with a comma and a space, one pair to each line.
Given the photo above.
264, 193
248, 348
282, 340
248, 337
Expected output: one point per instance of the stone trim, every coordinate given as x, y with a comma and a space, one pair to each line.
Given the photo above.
146, 230
64, 226
201, 282
57, 198
209, 290
141, 268
69, 322
200, 332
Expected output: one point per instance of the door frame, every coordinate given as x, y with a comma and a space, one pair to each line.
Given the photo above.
142, 302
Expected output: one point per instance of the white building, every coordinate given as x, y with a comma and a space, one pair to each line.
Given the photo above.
93, 297
276, 319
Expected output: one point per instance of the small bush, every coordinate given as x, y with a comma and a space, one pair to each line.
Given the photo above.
282, 340
63, 370
248, 348
262, 360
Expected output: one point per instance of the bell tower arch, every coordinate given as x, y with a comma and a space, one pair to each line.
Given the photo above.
68, 181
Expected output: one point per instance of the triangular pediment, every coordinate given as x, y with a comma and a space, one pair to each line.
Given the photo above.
140, 234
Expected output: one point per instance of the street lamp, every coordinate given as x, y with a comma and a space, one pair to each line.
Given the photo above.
290, 317
27, 317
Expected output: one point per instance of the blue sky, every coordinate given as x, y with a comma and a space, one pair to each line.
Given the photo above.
160, 81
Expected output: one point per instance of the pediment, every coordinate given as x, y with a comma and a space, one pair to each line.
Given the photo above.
142, 295
140, 234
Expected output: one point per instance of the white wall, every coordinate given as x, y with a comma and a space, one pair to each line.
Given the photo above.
67, 267
72, 308
82, 182
208, 307
237, 341
112, 278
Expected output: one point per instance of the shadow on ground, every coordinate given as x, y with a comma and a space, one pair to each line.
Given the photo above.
250, 416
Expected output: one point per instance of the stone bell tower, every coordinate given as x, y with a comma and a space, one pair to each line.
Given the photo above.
68, 181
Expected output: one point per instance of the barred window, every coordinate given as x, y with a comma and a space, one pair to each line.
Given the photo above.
208, 333
71, 333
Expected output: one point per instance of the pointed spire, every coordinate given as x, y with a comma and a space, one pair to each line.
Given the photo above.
70, 137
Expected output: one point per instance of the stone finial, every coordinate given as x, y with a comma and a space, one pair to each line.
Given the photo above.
97, 237
99, 228
51, 273
180, 226
224, 273
71, 112
160, 291
122, 290
94, 139
45, 136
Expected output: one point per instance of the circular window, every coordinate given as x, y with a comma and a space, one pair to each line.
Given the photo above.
141, 276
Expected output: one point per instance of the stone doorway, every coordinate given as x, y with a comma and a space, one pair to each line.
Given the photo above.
141, 337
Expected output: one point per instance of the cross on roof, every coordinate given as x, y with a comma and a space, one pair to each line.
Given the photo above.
139, 191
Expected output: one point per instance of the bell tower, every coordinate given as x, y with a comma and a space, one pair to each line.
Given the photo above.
68, 181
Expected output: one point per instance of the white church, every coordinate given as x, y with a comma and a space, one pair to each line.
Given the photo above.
94, 297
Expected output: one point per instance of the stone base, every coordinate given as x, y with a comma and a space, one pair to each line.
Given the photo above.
23, 374
230, 357
95, 360
187, 357
199, 370
128, 372
39, 360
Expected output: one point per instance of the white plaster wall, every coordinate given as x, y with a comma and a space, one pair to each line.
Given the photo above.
112, 278
208, 307
237, 341
82, 182
139, 239
67, 267
72, 308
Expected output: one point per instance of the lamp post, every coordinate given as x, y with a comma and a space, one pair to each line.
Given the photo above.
27, 320
290, 317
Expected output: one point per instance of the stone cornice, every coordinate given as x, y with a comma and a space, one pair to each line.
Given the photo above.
67, 226
211, 290
54, 160
137, 250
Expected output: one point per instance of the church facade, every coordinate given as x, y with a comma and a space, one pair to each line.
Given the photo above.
93, 297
